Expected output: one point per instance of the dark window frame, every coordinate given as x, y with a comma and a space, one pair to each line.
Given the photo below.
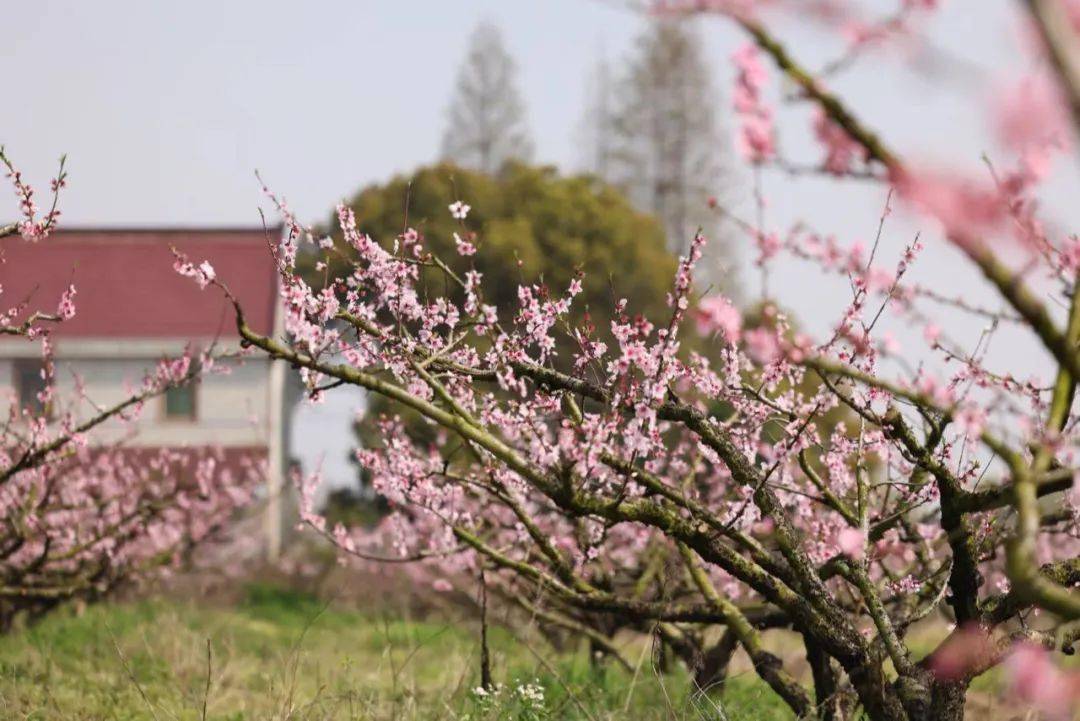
26, 398
191, 387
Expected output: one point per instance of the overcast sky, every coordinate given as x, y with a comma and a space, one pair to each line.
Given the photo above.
165, 111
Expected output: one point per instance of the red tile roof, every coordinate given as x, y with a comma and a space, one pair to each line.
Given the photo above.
126, 285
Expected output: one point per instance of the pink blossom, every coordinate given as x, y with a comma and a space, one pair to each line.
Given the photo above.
932, 332
966, 208
762, 344
972, 420
203, 273
940, 394
755, 141
66, 308
32, 227
840, 149
1032, 112
768, 245
1032, 122
889, 343
464, 247
858, 32
764, 527
717, 313
1036, 680
459, 210
1072, 11
852, 543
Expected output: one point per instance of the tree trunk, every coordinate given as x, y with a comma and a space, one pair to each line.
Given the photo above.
947, 701
832, 703
876, 694
712, 672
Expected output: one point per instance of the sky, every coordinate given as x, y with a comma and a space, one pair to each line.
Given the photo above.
166, 110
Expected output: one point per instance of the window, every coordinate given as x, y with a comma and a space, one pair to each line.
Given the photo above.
180, 403
29, 383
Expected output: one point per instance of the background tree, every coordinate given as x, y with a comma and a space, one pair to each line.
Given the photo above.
663, 146
597, 121
531, 226
486, 122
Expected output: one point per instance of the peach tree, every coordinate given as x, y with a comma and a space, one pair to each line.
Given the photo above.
82, 513
633, 479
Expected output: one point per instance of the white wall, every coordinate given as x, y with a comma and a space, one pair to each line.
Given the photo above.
231, 410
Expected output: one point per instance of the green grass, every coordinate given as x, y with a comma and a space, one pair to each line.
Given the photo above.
284, 655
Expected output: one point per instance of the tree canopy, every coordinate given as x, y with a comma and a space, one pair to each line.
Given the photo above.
533, 226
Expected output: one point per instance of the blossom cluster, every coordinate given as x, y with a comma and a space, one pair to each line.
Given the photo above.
34, 227
757, 136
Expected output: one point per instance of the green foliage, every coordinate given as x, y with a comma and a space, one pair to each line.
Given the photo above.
349, 508
533, 226
283, 606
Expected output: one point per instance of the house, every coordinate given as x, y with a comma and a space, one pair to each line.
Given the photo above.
132, 309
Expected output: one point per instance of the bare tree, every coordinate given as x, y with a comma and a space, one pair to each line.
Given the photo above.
664, 138
596, 131
487, 116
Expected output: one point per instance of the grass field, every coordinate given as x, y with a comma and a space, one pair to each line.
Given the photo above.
283, 655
